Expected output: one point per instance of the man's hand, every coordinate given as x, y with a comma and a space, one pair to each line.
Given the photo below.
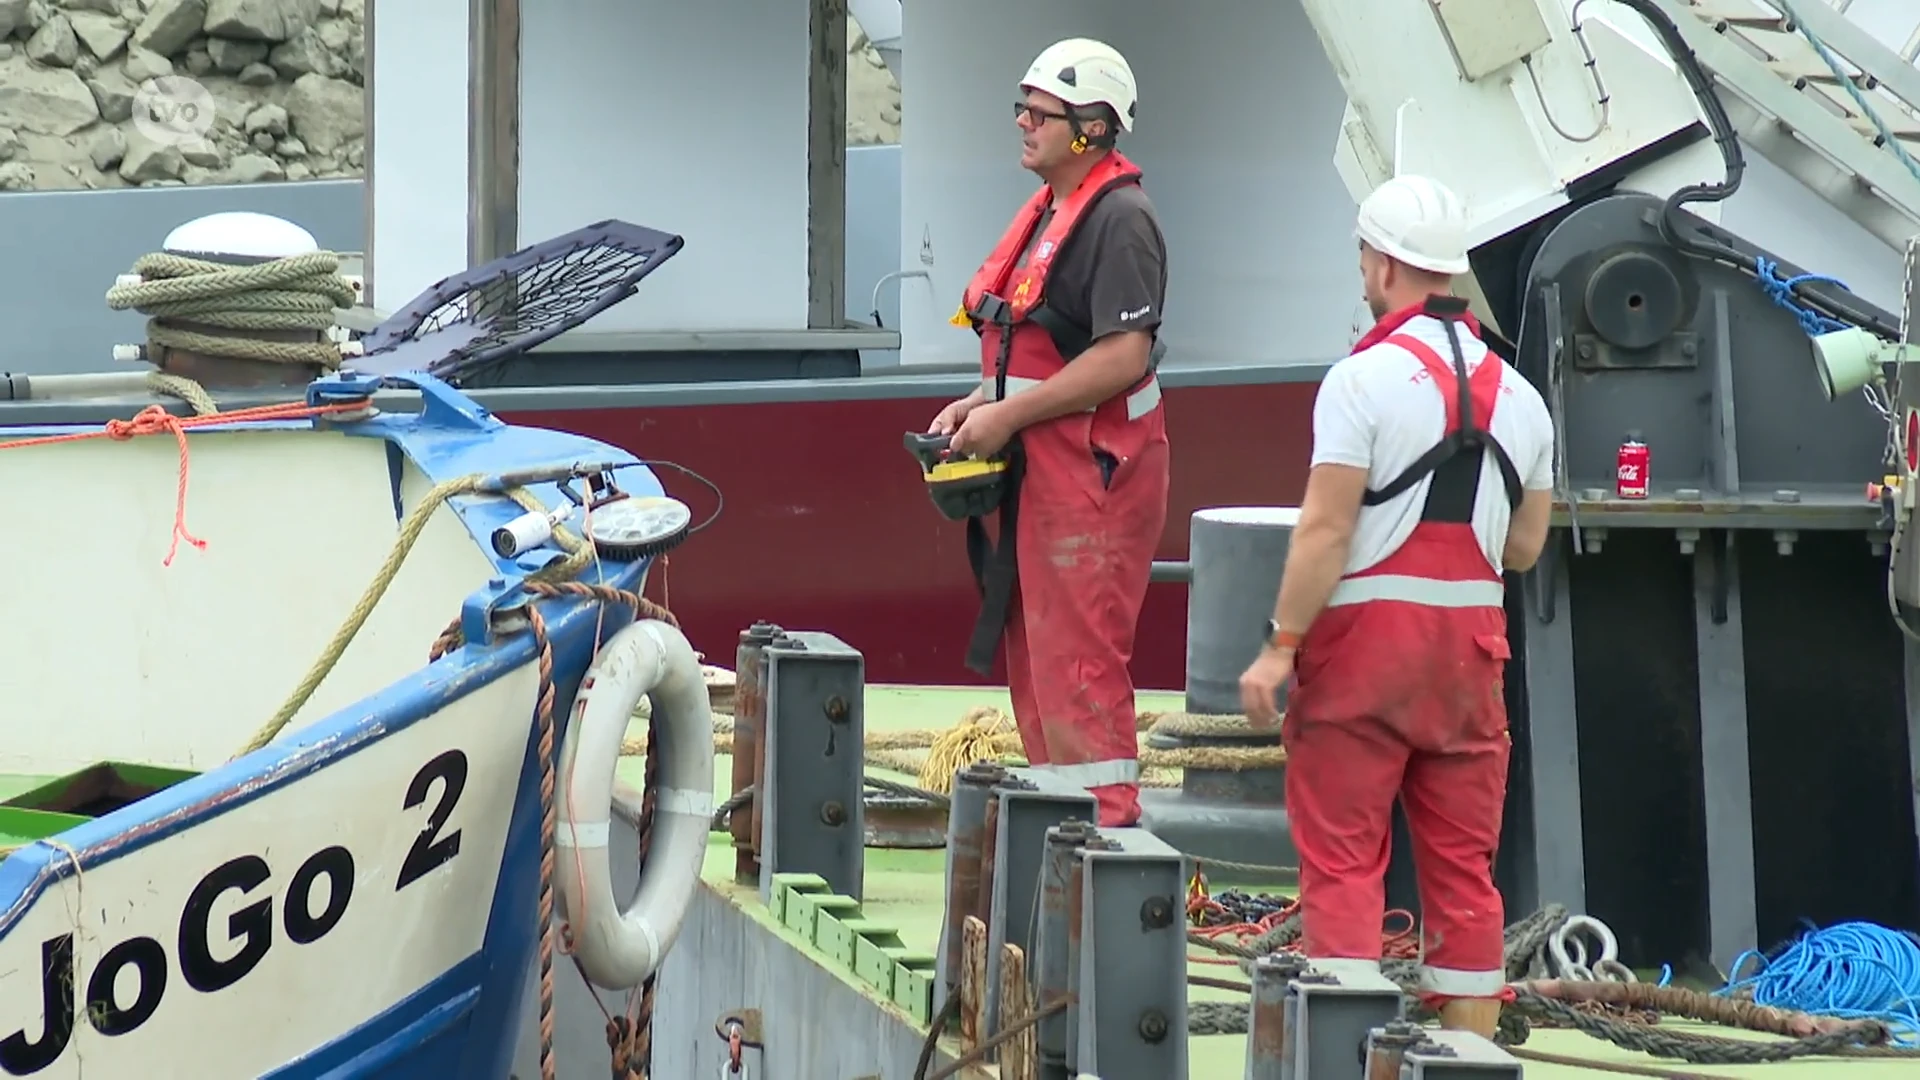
949, 419
1260, 686
986, 431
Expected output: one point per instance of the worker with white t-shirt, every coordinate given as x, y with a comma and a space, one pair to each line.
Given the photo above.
1432, 464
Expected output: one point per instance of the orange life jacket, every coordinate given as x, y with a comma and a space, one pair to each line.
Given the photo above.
1021, 287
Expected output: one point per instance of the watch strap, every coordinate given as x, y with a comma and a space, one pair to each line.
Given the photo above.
1281, 639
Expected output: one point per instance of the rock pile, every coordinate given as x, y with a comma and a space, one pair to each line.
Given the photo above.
873, 97
284, 76
285, 79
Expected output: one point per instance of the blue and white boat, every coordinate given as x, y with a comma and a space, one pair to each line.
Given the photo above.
221, 857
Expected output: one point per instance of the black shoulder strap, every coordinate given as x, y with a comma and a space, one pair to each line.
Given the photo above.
1467, 436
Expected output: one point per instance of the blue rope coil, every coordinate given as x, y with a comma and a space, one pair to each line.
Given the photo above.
1851, 970
1779, 288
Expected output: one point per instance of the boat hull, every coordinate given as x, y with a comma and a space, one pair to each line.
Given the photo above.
356, 898
356, 901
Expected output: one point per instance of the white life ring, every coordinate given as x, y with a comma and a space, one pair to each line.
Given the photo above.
619, 949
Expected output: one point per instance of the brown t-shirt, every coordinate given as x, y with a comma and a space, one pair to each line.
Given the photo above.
1111, 275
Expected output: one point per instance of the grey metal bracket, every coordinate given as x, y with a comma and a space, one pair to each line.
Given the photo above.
1457, 1055
1024, 806
813, 820
1060, 891
1591, 352
1323, 1021
1129, 1018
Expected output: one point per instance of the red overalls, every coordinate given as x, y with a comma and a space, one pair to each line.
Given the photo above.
1398, 692
1079, 525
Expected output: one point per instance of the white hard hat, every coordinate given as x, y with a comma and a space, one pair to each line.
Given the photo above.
1416, 221
1082, 72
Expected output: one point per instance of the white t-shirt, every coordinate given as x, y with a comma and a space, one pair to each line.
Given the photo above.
1379, 410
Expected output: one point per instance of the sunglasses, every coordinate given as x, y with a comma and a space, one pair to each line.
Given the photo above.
1022, 110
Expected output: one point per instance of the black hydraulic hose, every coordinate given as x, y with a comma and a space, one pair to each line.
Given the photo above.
1837, 304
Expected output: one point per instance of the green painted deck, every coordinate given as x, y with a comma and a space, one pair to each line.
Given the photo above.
904, 891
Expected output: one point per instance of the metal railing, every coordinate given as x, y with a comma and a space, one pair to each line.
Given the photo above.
1908, 51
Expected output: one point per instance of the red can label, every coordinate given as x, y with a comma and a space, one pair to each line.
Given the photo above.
1634, 466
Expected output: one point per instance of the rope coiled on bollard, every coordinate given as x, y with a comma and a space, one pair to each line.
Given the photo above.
297, 293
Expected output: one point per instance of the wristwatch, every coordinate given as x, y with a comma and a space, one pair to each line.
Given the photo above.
1280, 639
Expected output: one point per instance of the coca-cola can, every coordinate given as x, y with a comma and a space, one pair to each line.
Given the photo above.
1634, 468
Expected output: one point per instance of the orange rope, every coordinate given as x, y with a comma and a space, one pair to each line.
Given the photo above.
155, 419
1402, 944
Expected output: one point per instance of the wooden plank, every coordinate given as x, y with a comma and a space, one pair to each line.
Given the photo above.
1020, 1055
827, 165
973, 983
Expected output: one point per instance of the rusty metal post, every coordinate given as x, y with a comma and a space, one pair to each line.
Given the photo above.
1076, 911
1268, 1038
989, 843
237, 373
749, 715
759, 816
1387, 1049
966, 837
1059, 923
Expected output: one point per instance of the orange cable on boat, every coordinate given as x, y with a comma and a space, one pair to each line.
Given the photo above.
155, 419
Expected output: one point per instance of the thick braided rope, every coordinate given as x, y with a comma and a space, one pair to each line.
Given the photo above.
296, 293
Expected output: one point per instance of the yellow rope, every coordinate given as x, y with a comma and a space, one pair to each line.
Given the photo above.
411, 527
984, 733
185, 389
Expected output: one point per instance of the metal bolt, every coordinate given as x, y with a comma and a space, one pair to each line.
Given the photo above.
1688, 538
1585, 349
1101, 843
1282, 965
1153, 1025
1397, 1033
837, 709
984, 773
1156, 913
1429, 1048
833, 814
1688, 348
1070, 831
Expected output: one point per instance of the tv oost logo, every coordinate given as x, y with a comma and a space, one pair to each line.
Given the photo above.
173, 110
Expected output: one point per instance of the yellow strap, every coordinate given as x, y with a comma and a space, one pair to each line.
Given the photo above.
1197, 889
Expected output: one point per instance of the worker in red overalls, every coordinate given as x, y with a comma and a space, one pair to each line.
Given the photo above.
1431, 475
1067, 307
